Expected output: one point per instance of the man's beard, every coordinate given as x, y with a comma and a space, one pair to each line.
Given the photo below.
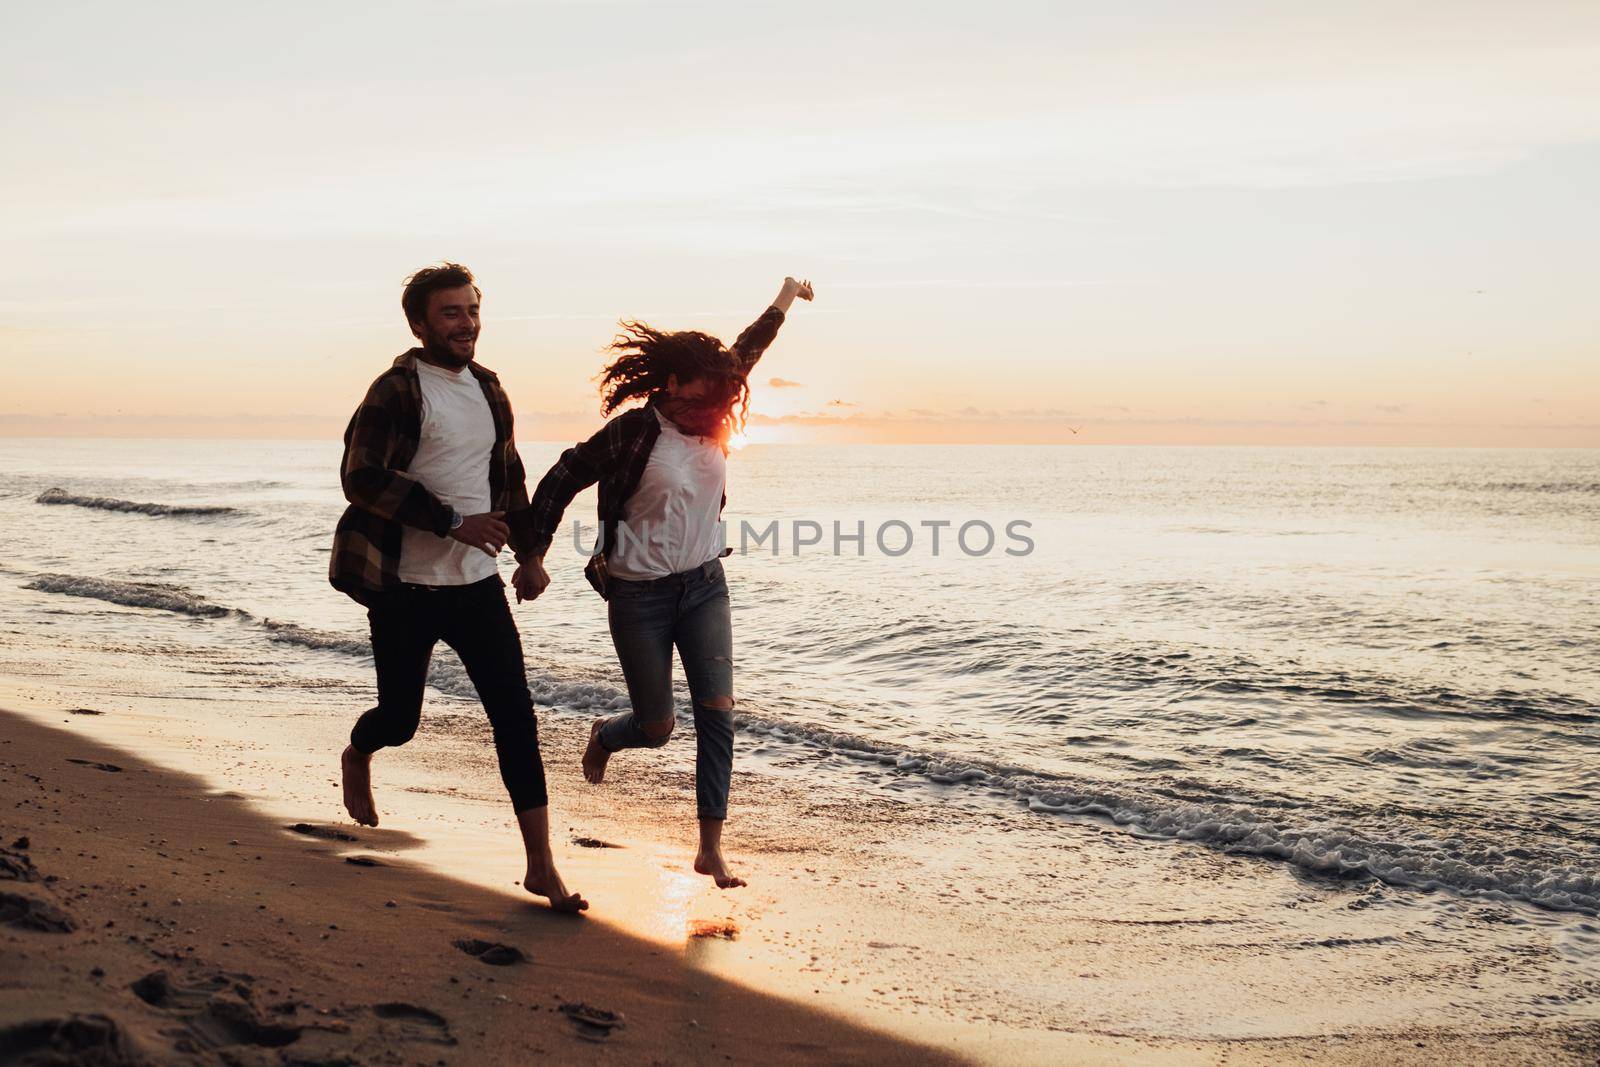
441, 352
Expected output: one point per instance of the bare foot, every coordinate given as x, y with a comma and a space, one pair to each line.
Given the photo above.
713, 864
546, 882
595, 756
357, 770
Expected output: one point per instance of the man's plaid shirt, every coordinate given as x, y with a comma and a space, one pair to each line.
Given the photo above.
616, 457
379, 445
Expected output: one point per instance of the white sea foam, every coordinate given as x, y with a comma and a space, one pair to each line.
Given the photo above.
105, 503
449, 677
132, 594
1562, 880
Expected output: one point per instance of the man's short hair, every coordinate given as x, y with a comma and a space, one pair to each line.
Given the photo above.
429, 280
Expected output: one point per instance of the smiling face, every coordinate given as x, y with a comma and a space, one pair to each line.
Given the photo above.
449, 332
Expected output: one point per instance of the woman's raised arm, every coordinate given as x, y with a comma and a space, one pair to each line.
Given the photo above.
759, 334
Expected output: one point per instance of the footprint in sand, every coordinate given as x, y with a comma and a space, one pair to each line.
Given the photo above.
74, 1039
159, 990
215, 1009
28, 913
16, 867
96, 764
414, 1023
328, 833
593, 842
229, 1020
594, 1024
492, 952
726, 929
436, 905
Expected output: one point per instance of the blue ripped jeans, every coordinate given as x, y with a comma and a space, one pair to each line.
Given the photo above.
689, 610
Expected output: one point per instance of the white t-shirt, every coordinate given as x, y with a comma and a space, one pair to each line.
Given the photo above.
452, 460
672, 522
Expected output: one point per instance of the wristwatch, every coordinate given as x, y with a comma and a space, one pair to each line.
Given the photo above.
456, 519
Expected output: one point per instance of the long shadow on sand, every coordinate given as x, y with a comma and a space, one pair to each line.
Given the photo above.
151, 919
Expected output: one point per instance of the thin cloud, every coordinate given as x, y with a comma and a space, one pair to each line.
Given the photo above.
784, 383
967, 283
921, 415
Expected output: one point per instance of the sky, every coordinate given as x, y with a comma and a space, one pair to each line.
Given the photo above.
1181, 222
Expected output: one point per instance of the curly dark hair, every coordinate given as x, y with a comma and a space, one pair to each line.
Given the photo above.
647, 356
425, 282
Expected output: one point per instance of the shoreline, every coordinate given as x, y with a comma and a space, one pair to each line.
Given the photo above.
152, 918
657, 949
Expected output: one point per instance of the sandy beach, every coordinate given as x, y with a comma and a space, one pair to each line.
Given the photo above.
154, 915
150, 918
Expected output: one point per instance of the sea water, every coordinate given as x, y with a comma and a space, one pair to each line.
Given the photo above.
1370, 663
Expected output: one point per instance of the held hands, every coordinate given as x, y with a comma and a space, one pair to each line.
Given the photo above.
486, 532
530, 579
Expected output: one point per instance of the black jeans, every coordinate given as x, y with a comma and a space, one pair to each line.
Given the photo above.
475, 621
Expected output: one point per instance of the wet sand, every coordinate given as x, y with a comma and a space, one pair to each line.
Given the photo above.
148, 918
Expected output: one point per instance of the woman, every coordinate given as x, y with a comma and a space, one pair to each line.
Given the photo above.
662, 469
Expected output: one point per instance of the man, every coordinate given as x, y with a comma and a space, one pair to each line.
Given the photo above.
436, 490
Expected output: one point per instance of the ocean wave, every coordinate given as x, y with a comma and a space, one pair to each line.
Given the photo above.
1402, 855
132, 594
106, 503
1033, 676
1584, 488
448, 676
1393, 850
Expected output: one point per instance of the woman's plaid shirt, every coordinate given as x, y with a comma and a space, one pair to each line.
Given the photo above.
616, 457
379, 445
